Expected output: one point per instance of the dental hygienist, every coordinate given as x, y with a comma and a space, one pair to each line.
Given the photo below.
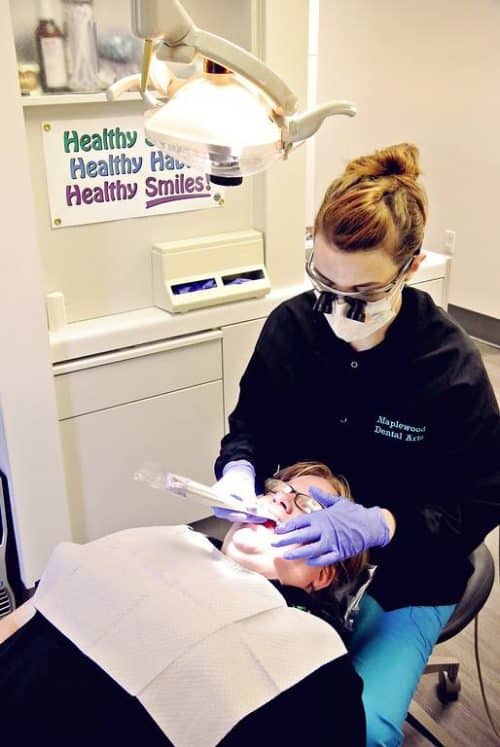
370, 377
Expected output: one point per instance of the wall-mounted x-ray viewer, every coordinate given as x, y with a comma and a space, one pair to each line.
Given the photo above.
233, 119
209, 270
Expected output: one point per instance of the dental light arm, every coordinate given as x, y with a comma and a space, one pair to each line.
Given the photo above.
161, 19
168, 22
240, 61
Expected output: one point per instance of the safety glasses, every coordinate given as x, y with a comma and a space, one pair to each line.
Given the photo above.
323, 284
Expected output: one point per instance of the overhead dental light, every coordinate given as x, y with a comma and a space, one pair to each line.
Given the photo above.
233, 119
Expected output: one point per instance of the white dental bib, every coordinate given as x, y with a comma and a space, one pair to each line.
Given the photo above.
199, 640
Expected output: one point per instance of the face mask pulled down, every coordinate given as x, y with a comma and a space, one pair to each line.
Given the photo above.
377, 314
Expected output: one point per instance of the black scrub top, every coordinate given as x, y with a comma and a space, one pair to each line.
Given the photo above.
412, 423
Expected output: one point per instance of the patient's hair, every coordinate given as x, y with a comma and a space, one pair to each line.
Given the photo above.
346, 570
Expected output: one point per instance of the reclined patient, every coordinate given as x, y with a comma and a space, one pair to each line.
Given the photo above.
152, 636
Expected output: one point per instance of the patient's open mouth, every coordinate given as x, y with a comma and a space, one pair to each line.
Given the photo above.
270, 524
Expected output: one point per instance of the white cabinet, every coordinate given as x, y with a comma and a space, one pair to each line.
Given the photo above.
436, 289
108, 379
238, 344
164, 406
433, 277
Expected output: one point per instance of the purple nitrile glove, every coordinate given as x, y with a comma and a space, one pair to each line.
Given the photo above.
342, 529
238, 481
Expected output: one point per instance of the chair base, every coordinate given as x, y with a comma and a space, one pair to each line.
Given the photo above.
442, 664
448, 689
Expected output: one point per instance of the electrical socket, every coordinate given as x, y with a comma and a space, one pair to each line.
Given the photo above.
449, 241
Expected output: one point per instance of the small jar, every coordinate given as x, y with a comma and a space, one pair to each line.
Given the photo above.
29, 78
81, 45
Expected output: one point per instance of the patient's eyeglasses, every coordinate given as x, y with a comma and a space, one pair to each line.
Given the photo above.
303, 501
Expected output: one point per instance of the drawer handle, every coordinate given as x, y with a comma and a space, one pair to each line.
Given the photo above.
137, 351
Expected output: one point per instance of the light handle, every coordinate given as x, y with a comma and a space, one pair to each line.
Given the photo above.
302, 126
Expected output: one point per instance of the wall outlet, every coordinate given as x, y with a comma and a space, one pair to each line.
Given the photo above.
449, 241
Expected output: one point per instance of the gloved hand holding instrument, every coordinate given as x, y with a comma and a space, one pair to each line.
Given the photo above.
232, 498
342, 529
238, 482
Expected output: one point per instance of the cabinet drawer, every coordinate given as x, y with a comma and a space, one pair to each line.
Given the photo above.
115, 378
180, 431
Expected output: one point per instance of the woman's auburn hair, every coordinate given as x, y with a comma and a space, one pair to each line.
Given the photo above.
346, 570
377, 202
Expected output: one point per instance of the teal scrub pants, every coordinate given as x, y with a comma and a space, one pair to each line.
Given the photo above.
389, 651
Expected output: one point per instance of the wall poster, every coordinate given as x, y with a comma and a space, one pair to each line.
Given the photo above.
105, 169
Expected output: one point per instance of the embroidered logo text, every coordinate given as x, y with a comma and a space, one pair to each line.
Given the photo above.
398, 430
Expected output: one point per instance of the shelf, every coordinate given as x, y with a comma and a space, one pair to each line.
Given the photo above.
58, 99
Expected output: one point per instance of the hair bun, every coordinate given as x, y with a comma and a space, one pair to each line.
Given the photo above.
397, 160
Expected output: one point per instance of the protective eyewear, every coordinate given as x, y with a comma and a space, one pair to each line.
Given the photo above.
323, 284
302, 501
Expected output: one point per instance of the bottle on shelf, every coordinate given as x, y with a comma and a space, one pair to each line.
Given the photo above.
50, 46
81, 46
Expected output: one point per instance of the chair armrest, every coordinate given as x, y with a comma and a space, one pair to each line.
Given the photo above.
475, 595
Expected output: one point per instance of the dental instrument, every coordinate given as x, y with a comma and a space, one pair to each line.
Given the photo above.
192, 490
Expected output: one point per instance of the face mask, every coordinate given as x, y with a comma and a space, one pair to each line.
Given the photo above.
377, 314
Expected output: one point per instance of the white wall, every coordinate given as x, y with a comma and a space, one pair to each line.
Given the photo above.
312, 100
30, 452
279, 192
424, 72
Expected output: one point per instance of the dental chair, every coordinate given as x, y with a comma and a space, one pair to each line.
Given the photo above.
474, 597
